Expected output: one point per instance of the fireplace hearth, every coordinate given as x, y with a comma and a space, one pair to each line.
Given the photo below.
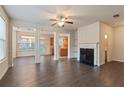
87, 56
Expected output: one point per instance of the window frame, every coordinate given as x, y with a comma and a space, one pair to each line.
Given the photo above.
27, 45
4, 40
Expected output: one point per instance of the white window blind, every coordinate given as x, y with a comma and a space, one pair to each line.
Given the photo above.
2, 38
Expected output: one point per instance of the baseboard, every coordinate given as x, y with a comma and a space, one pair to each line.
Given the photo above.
10, 66
64, 57
118, 61
111, 61
4, 72
73, 58
34, 55
3, 67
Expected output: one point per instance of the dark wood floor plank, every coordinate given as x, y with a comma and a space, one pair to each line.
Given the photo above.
62, 73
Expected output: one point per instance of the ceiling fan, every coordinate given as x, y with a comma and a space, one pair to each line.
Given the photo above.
61, 21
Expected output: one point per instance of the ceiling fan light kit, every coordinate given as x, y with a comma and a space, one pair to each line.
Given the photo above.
61, 22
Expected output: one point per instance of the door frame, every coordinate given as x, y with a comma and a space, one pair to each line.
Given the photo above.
68, 36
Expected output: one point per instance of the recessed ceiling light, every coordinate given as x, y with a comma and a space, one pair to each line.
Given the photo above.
116, 15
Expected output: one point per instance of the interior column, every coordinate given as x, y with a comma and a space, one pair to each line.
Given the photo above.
37, 47
56, 46
10, 45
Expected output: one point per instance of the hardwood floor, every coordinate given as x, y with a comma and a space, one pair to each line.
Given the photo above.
62, 73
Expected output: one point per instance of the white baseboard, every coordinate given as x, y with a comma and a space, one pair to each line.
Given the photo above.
118, 60
4, 67
1, 76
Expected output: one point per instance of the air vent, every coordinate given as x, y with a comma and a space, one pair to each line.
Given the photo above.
116, 15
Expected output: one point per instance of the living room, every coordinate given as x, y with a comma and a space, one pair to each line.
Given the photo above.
91, 38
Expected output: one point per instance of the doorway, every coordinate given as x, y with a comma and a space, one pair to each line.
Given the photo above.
46, 46
64, 46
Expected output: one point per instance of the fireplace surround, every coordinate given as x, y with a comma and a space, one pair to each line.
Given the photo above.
94, 47
87, 56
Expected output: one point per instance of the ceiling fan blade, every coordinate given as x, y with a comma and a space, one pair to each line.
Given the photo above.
53, 20
53, 24
69, 22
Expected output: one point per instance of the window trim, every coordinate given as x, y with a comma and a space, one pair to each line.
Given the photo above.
5, 40
3, 59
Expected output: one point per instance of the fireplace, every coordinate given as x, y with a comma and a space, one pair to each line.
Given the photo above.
87, 56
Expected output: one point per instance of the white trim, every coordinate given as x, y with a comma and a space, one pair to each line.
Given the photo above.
5, 38
3, 59
118, 60
69, 47
6, 68
37, 47
3, 73
56, 53
94, 46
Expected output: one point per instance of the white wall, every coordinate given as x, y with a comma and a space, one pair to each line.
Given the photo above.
75, 44
106, 29
25, 53
14, 44
10, 44
94, 33
118, 54
3, 67
47, 46
4, 63
88, 34
72, 44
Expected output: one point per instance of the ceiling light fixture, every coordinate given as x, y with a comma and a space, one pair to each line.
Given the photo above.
63, 19
61, 23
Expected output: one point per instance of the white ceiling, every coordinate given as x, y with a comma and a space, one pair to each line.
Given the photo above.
80, 14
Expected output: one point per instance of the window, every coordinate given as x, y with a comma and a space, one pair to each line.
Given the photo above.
26, 43
60, 41
2, 38
42, 47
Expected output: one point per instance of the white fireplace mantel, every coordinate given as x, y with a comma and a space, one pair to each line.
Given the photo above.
94, 46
